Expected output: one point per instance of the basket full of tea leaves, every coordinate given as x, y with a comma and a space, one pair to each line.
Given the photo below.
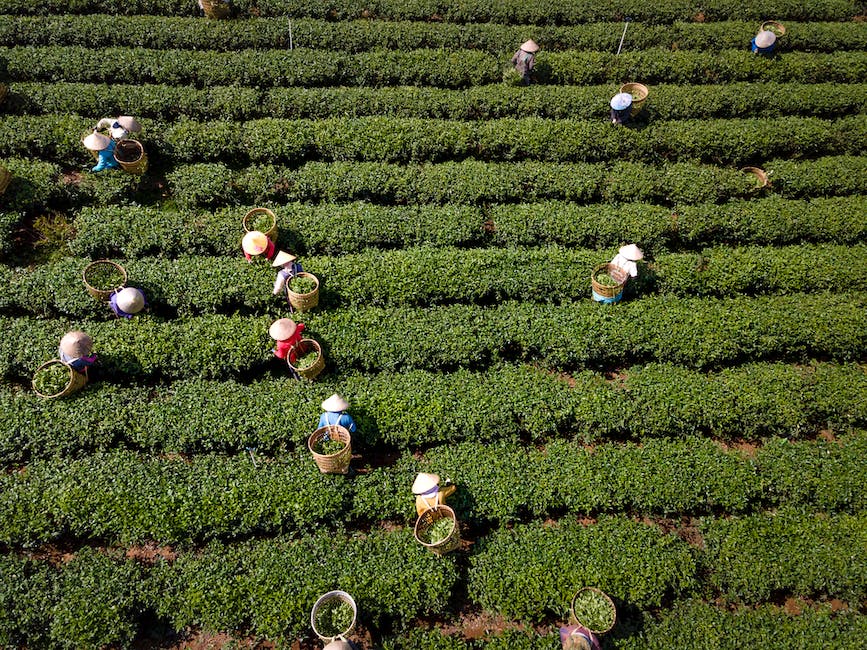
103, 277
437, 528
303, 291
57, 379
592, 608
331, 447
333, 615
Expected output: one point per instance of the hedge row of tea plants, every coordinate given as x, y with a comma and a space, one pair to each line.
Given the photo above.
472, 11
34, 184
388, 139
412, 409
426, 67
421, 276
478, 103
472, 182
269, 587
532, 571
695, 332
157, 32
128, 497
339, 229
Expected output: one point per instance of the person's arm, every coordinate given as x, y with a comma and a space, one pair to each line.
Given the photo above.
104, 123
348, 423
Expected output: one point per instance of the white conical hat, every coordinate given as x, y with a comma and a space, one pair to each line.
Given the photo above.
282, 328
283, 258
765, 38
254, 242
621, 101
631, 252
129, 123
130, 300
337, 644
96, 141
530, 46
335, 404
425, 482
76, 344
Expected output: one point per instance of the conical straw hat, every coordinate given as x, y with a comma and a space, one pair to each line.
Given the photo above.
335, 404
96, 141
130, 300
282, 328
631, 252
337, 644
425, 482
254, 242
765, 38
283, 258
76, 344
129, 123
530, 46
621, 101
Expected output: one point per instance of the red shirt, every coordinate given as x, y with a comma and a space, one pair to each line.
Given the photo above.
282, 348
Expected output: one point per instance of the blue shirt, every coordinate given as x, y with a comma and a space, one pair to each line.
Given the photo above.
344, 420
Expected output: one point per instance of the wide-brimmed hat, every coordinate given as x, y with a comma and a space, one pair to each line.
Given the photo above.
130, 300
283, 258
335, 404
765, 38
621, 101
282, 328
337, 644
128, 123
425, 482
631, 252
254, 242
76, 344
530, 46
577, 641
96, 141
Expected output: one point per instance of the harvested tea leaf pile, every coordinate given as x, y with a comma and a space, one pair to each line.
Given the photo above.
51, 379
593, 610
326, 446
306, 360
302, 284
333, 618
104, 277
606, 280
437, 531
260, 221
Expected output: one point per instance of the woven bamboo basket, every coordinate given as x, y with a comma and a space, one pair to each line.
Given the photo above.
102, 294
773, 26
215, 9
303, 301
574, 619
5, 178
639, 93
77, 380
271, 232
131, 156
330, 597
428, 518
606, 290
760, 174
303, 347
338, 462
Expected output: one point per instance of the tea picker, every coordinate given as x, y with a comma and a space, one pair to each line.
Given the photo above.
335, 414
290, 268
620, 269
75, 351
427, 492
287, 333
102, 148
524, 60
127, 302
621, 108
256, 243
765, 42
578, 637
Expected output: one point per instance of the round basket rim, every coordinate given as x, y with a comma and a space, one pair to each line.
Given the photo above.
254, 211
339, 430
123, 142
759, 173
306, 275
779, 28
449, 512
607, 266
337, 594
628, 88
52, 362
607, 598
315, 344
104, 261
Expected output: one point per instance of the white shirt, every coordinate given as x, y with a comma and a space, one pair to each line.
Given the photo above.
627, 265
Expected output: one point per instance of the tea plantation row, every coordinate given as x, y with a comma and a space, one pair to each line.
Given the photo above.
695, 332
472, 11
409, 409
494, 101
426, 67
97, 30
527, 573
128, 497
